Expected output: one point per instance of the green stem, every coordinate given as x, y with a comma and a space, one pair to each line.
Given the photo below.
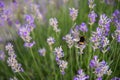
21, 76
52, 60
81, 59
71, 61
33, 56
77, 61
35, 62
116, 63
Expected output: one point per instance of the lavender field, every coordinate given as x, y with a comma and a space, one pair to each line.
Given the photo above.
59, 39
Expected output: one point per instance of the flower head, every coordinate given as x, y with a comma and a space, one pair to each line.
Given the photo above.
2, 55
62, 65
115, 78
1, 5
104, 21
75, 34
14, 78
24, 33
50, 41
54, 23
81, 75
29, 19
59, 53
12, 62
69, 40
42, 51
83, 27
92, 17
101, 68
29, 44
91, 4
73, 13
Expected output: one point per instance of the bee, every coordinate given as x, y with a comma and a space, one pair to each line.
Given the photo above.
81, 41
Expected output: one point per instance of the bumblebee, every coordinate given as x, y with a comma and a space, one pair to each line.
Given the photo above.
81, 41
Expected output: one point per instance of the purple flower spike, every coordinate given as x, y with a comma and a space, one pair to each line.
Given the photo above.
92, 16
115, 78
81, 75
101, 68
29, 44
99, 78
83, 27
29, 19
1, 5
2, 55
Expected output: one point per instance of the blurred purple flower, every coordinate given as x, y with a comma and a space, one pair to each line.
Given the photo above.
92, 17
29, 19
50, 41
116, 18
69, 40
91, 4
99, 78
75, 33
83, 27
115, 78
54, 23
101, 68
58, 52
62, 65
81, 75
2, 55
11, 61
29, 44
42, 51
104, 22
73, 13
1, 5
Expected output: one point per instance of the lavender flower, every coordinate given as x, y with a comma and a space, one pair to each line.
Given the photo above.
117, 35
83, 27
81, 75
116, 18
29, 44
69, 39
59, 53
1, 5
12, 62
81, 47
99, 78
115, 78
104, 22
110, 2
62, 65
99, 40
7, 30
50, 41
24, 33
75, 34
29, 19
73, 13
42, 51
54, 23
101, 68
14, 78
104, 44
95, 39
2, 55
91, 4
92, 17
